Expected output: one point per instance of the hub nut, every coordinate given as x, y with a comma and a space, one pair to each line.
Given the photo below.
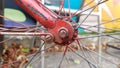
63, 33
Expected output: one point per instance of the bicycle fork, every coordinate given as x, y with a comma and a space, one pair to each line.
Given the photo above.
62, 31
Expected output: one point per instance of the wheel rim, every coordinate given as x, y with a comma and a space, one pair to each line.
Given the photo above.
83, 56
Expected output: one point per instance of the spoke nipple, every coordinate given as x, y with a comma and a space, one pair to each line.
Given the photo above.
74, 26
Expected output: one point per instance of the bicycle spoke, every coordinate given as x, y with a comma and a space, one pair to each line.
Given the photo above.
105, 23
35, 55
102, 28
104, 34
76, 13
113, 37
99, 26
79, 24
70, 54
69, 9
86, 53
6, 40
88, 4
59, 66
98, 55
23, 25
93, 36
80, 12
83, 57
61, 7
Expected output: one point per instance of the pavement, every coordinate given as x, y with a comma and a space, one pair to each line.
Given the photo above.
72, 60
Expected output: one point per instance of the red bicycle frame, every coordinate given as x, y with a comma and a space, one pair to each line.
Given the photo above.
62, 31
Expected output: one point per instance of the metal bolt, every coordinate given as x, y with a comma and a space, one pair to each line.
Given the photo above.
63, 33
48, 37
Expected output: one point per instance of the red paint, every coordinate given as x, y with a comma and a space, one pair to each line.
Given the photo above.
48, 19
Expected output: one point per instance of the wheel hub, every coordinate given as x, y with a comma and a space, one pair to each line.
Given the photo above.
63, 32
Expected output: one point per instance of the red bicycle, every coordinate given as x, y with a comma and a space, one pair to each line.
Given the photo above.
59, 28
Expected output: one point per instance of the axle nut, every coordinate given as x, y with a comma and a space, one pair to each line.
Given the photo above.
63, 33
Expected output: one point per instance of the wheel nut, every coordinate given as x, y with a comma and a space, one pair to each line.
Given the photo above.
63, 33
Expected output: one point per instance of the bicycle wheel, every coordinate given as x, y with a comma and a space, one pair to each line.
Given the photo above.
79, 53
